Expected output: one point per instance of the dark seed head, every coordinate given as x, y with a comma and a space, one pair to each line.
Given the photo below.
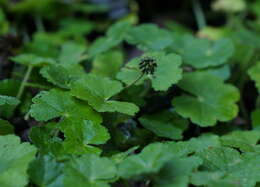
147, 65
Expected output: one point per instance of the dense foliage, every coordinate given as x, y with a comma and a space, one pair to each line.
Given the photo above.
90, 98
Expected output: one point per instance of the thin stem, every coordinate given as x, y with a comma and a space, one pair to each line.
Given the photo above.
25, 79
35, 85
199, 14
141, 76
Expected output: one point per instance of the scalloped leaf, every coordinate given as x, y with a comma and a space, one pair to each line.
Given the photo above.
210, 99
167, 72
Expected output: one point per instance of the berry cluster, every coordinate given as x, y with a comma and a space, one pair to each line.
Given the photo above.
147, 65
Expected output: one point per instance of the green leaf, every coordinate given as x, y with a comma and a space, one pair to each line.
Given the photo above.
194, 145
32, 60
46, 139
204, 177
255, 116
6, 127
71, 54
150, 160
247, 172
219, 158
45, 171
166, 73
244, 140
108, 63
119, 157
14, 160
84, 131
254, 73
202, 53
62, 76
89, 170
210, 100
165, 124
8, 100
8, 87
97, 91
223, 72
114, 36
56, 103
4, 24
75, 27
149, 37
236, 170
177, 172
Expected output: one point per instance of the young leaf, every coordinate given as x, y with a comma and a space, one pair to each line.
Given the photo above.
150, 160
89, 170
254, 73
56, 103
209, 101
97, 91
166, 73
8, 100
14, 160
32, 60
202, 53
149, 37
165, 124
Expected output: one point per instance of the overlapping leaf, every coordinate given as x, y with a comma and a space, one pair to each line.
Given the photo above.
84, 132
55, 103
177, 172
89, 170
210, 100
45, 171
150, 160
62, 76
97, 91
243, 140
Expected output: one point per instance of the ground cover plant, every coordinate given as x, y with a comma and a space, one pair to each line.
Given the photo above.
129, 93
